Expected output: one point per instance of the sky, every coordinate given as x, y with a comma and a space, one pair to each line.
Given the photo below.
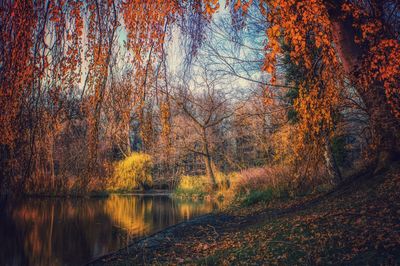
216, 39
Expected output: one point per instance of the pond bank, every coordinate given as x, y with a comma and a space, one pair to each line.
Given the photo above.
102, 194
166, 237
356, 224
73, 231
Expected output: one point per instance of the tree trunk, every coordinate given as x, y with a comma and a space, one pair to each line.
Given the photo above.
331, 165
128, 140
208, 161
385, 128
5, 170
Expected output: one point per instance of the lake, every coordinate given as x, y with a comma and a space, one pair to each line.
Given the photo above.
62, 231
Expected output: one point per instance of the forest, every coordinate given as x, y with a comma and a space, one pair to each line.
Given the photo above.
261, 108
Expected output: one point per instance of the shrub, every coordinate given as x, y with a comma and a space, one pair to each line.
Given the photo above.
226, 181
200, 186
190, 186
254, 179
263, 184
132, 173
258, 196
339, 150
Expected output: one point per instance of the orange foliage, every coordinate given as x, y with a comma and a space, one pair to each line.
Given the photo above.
307, 27
43, 44
18, 21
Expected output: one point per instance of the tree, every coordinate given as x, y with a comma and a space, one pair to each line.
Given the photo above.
367, 44
356, 42
206, 108
49, 48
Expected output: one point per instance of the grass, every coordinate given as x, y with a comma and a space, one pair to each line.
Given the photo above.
357, 225
192, 186
247, 187
200, 186
258, 196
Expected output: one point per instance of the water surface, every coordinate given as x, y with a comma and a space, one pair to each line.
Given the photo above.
54, 231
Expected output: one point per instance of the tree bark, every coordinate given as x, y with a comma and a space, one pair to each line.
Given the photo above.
331, 165
385, 128
208, 161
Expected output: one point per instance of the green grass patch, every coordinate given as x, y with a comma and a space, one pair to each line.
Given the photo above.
258, 196
266, 195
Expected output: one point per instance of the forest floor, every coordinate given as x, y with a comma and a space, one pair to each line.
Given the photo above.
357, 224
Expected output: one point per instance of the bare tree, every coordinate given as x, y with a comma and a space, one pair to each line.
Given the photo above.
201, 113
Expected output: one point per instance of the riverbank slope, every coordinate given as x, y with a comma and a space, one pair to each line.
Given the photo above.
358, 223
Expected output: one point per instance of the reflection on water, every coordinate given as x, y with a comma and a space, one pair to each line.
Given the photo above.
72, 231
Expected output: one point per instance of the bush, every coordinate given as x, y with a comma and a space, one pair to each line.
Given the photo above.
200, 186
339, 150
258, 196
226, 181
190, 186
257, 179
134, 172
263, 184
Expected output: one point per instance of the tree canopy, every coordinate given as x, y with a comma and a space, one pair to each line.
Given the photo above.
99, 70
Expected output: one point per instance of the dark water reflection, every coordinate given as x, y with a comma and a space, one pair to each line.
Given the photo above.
49, 231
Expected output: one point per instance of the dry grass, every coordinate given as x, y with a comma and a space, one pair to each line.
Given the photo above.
200, 186
263, 178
